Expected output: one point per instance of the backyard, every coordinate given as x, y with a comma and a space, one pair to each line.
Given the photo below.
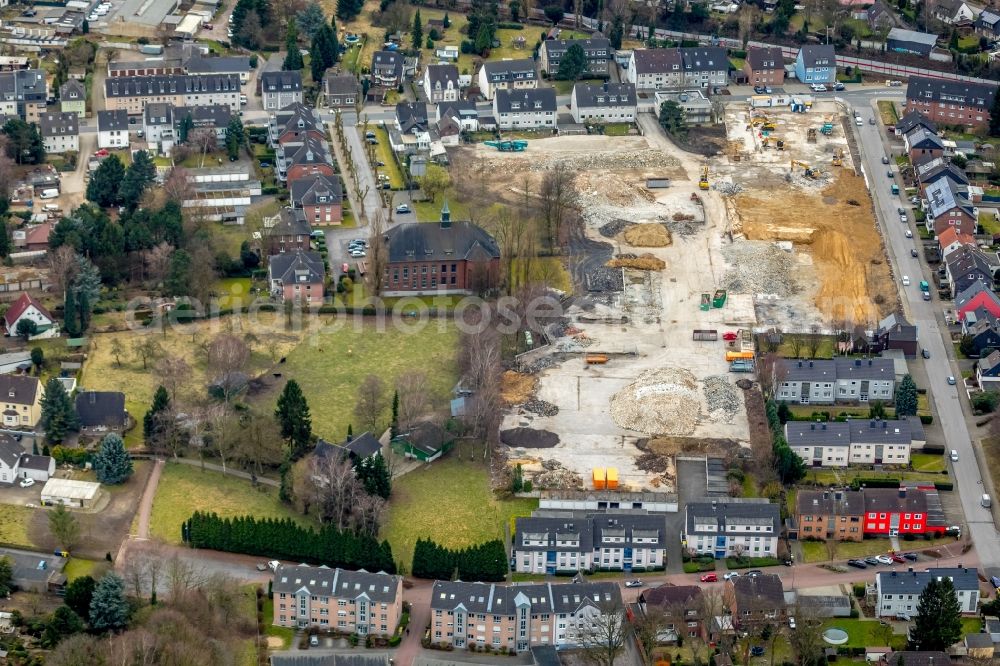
450, 502
865, 633
816, 551
14, 525
184, 489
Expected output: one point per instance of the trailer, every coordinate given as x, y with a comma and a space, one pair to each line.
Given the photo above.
719, 298
758, 101
706, 302
741, 366
705, 335
595, 359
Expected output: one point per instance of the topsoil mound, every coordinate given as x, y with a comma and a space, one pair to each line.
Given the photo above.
647, 235
529, 438
645, 262
516, 388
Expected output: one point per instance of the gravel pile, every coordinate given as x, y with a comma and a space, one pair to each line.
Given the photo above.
537, 365
726, 188
684, 227
556, 477
662, 401
614, 161
722, 398
541, 407
605, 279
614, 227
758, 267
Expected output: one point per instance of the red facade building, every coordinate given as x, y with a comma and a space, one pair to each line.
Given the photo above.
894, 512
951, 102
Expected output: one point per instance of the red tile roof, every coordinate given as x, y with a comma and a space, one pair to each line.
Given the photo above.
20, 305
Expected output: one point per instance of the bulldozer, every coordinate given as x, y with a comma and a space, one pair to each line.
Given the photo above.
811, 135
838, 157
703, 183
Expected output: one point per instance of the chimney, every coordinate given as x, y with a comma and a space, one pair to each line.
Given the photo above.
824, 426
893, 573
800, 364
910, 569
445, 216
871, 423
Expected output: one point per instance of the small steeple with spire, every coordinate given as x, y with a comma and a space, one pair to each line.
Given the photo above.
445, 216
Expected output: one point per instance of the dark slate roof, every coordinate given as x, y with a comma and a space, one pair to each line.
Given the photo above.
24, 84
653, 61
921, 137
323, 581
288, 265
756, 513
159, 113
496, 599
411, 115
273, 82
897, 328
604, 95
101, 408
442, 74
912, 36
40, 463
591, 47
973, 290
765, 58
819, 370
818, 55
293, 659
914, 119
885, 500
830, 502
762, 590
312, 151
112, 120
10, 450
362, 446
944, 195
307, 190
545, 655
668, 595
534, 100
988, 365
977, 95
870, 368
978, 641
914, 582
19, 389
289, 224
148, 86
553, 530
937, 168
968, 265
211, 116
340, 84
522, 69
218, 64
59, 124
420, 241
384, 60
72, 90
701, 59
458, 109
426, 436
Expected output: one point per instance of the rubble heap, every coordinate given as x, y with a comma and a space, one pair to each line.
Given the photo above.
660, 401
758, 267
722, 398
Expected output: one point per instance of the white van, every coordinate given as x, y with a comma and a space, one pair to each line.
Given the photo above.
986, 501
51, 208
50, 193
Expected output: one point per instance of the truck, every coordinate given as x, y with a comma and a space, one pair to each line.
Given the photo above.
49, 193
741, 365
894, 188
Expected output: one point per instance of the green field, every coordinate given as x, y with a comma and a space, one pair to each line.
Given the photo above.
184, 489
76, 567
450, 502
430, 211
233, 292
865, 633
14, 520
927, 462
383, 152
816, 551
331, 364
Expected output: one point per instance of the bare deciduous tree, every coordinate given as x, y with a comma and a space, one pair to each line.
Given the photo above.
368, 511
336, 489
227, 358
176, 185
146, 348
814, 342
601, 634
510, 230
556, 196
371, 403
260, 442
649, 625
182, 579
795, 344
173, 372
479, 361
771, 371
378, 255
62, 268
414, 398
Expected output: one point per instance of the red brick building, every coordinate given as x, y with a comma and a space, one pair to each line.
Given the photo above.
765, 67
291, 232
445, 258
293, 123
320, 199
951, 102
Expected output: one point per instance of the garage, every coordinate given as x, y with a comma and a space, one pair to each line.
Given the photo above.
77, 494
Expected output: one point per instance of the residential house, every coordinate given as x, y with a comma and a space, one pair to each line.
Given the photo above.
73, 98
279, 89
965, 267
453, 118
525, 108
597, 542
949, 206
603, 103
764, 66
988, 372
951, 102
21, 399
448, 257
976, 297
984, 330
38, 468
896, 512
213, 118
921, 143
158, 127
297, 277
208, 65
895, 332
358, 448
424, 441
816, 63
441, 83
912, 120
852, 442
16, 464
955, 12
290, 233
112, 129
23, 93
132, 93
32, 238
35, 571
726, 529
696, 107
27, 308
880, 17
411, 118
507, 75
755, 601
101, 411
898, 592
342, 91
655, 69
597, 50
830, 514
292, 124
350, 602
825, 382
705, 67
683, 610
900, 40
320, 198
988, 24
387, 68
60, 131
519, 616
304, 159
950, 240
936, 169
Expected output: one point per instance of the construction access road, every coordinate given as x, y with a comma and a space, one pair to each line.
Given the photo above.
933, 335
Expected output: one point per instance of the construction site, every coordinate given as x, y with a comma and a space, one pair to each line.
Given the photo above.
684, 259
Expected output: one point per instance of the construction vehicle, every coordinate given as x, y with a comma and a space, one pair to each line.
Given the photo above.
827, 128
508, 145
706, 303
703, 183
838, 157
773, 141
811, 135
768, 126
595, 359
738, 356
809, 171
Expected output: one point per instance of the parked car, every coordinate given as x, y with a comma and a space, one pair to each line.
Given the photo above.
273, 565
912, 557
379, 163
954, 455
402, 209
731, 575
27, 483
208, 26
314, 640
995, 581
758, 90
262, 566
754, 572
871, 121
633, 583
369, 135
710, 578
925, 353
757, 651
265, 165
872, 561
838, 86
888, 174
373, 141
909, 234
28, 12
914, 253
357, 254
904, 617
818, 87
791, 622
857, 564
885, 160
884, 559
898, 559
951, 380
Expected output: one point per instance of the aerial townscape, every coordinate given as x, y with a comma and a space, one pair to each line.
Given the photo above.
409, 333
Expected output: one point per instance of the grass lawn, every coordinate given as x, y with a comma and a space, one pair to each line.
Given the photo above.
845, 476
76, 567
332, 363
14, 521
231, 236
816, 551
888, 113
545, 270
566, 87
348, 222
862, 633
617, 129
790, 346
184, 489
927, 462
430, 211
383, 152
971, 625
286, 634
233, 292
448, 501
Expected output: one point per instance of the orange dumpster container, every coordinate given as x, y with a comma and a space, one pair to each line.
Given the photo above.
596, 358
736, 356
612, 478
600, 480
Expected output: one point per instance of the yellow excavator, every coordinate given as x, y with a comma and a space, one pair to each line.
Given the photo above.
769, 141
838, 157
703, 183
805, 168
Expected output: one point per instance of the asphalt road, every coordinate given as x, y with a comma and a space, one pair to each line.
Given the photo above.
933, 335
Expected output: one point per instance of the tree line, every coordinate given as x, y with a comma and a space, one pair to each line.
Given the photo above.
284, 539
486, 562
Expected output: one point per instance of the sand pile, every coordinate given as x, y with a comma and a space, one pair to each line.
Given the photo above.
644, 262
647, 235
659, 401
516, 387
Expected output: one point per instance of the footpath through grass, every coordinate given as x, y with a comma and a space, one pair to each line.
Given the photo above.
449, 501
184, 489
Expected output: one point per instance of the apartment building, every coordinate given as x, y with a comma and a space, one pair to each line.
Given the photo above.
765, 66
895, 512
728, 528
922, 144
132, 93
507, 75
603, 103
60, 131
297, 277
688, 67
292, 124
112, 129
683, 607
441, 83
824, 382
597, 542
816, 63
854, 442
705, 67
320, 197
206, 65
754, 601
597, 50
387, 68
23, 93
898, 591
73, 98
951, 102
279, 89
299, 160
836, 514
346, 601
525, 108
341, 91
520, 616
